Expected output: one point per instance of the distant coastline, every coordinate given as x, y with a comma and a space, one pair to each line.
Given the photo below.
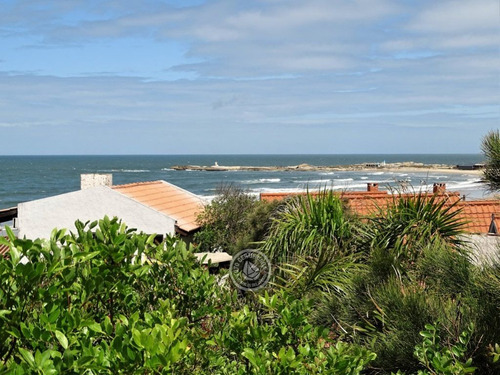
25, 178
364, 167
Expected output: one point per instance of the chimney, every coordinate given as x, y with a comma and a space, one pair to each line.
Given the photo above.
439, 188
372, 186
90, 180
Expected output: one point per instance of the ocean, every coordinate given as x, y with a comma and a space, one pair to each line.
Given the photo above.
25, 178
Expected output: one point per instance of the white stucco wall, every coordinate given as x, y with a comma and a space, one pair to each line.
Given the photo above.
484, 248
37, 219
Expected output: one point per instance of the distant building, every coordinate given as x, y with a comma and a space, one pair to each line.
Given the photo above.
479, 216
151, 207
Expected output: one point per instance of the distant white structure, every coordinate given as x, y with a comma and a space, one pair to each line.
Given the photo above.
37, 219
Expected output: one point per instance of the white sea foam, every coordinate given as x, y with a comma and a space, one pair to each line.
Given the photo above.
321, 181
278, 190
126, 170
270, 179
438, 177
376, 173
167, 169
343, 179
471, 183
261, 180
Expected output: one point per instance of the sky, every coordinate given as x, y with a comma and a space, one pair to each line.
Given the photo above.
248, 76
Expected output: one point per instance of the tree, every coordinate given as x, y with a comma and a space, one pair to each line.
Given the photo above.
233, 220
491, 149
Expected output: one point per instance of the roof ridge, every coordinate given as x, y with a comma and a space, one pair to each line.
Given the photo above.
482, 202
137, 184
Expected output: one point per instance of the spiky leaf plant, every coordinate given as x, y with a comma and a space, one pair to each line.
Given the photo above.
306, 225
491, 149
410, 222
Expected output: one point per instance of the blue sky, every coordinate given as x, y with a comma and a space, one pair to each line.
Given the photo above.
263, 76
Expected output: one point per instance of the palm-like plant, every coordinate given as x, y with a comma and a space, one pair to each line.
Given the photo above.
491, 149
310, 241
306, 225
411, 222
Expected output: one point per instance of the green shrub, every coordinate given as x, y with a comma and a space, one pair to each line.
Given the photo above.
87, 302
108, 300
444, 360
233, 221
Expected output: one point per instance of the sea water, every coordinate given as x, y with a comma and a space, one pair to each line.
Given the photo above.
25, 178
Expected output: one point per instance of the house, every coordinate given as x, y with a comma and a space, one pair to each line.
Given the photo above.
480, 217
151, 207
168, 199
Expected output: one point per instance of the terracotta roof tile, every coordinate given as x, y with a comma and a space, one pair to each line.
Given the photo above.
280, 196
4, 249
179, 204
477, 215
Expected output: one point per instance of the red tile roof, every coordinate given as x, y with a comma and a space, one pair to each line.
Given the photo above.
368, 206
177, 203
477, 215
4, 249
277, 196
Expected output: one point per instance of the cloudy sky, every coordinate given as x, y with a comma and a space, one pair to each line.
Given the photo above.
248, 76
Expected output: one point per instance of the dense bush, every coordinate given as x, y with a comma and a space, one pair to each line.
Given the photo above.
109, 300
383, 279
233, 221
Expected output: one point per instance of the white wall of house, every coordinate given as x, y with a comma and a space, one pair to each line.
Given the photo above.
37, 219
484, 248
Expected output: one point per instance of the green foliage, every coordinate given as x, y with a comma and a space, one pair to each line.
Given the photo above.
444, 360
494, 353
306, 225
317, 277
491, 149
88, 302
276, 338
386, 313
408, 225
233, 220
108, 300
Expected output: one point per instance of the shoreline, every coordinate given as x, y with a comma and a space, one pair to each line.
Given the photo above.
390, 167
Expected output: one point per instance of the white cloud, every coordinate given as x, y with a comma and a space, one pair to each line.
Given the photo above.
369, 67
460, 16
